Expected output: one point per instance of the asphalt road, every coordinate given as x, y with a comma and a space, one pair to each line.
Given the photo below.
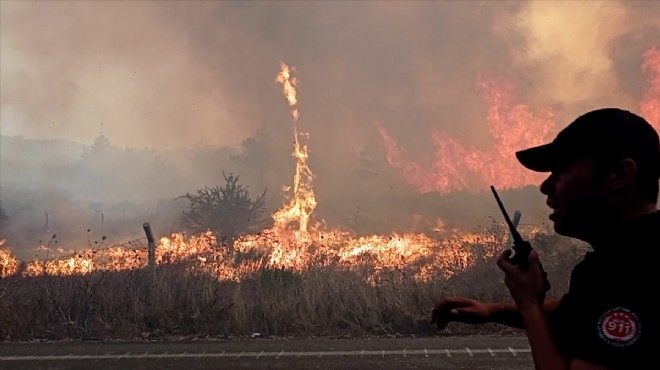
446, 353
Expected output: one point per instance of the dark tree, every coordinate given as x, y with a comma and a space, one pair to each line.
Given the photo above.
227, 211
3, 217
100, 151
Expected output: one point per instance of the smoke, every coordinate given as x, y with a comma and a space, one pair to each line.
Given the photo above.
177, 75
150, 74
568, 43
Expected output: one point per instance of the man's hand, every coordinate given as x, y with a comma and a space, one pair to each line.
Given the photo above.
527, 287
461, 309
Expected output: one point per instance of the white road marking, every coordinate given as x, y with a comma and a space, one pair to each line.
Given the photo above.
120, 357
382, 353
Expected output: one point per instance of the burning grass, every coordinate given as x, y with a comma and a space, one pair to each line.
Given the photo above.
316, 286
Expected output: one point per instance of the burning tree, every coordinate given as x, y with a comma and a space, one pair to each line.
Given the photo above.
228, 211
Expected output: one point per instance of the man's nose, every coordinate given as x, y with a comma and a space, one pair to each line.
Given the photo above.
547, 185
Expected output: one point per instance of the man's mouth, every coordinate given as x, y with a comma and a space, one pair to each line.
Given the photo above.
554, 207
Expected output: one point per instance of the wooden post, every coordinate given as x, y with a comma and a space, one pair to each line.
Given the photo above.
151, 245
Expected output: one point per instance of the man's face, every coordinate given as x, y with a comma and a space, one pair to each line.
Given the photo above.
580, 207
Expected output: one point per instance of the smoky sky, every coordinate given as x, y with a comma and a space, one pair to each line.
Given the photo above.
182, 73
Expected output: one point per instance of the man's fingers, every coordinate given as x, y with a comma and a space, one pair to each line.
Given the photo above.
446, 301
447, 309
441, 321
533, 256
503, 262
533, 261
442, 316
452, 302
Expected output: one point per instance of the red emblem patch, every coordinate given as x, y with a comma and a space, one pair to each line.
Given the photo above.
619, 327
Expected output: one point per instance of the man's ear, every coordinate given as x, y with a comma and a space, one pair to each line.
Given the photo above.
623, 173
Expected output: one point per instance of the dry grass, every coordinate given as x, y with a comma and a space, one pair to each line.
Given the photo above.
177, 300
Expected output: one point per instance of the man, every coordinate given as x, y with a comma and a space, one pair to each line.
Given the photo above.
602, 189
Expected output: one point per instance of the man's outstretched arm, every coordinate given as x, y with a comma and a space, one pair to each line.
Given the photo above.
509, 315
470, 311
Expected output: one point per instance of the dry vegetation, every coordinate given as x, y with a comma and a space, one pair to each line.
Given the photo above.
188, 296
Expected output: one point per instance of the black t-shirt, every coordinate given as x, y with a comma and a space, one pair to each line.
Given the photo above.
608, 315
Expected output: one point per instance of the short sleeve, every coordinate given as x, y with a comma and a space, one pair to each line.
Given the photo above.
612, 324
606, 319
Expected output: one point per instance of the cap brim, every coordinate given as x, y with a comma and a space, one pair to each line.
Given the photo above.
539, 158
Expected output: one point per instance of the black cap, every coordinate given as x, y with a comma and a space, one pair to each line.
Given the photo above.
610, 133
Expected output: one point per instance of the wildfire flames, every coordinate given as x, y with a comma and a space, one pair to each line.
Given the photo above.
512, 126
297, 242
8, 264
456, 167
650, 105
303, 201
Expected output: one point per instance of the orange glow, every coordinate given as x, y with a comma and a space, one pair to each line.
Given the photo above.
424, 256
303, 200
456, 167
8, 264
650, 105
289, 84
512, 126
